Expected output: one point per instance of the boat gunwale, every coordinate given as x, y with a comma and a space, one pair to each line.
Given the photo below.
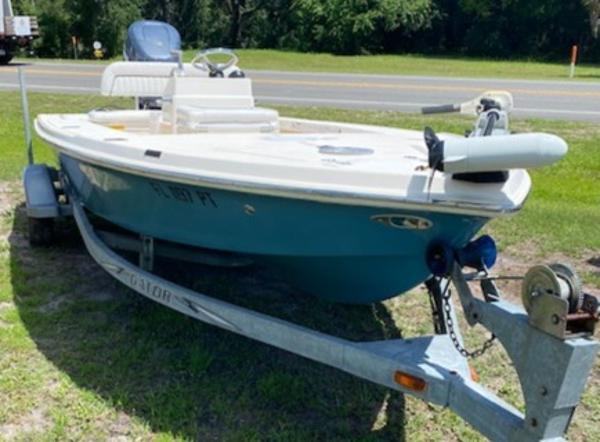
284, 191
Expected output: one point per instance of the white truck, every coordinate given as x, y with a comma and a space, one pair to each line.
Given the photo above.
15, 31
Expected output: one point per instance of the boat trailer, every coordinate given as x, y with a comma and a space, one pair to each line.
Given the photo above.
432, 368
555, 331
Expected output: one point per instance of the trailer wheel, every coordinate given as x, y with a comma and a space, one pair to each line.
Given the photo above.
5, 59
41, 231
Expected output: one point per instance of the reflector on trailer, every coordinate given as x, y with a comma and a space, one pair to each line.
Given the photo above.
409, 381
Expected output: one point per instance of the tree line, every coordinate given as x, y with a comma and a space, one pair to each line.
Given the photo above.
543, 29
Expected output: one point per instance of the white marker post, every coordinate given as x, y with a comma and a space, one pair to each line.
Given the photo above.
573, 60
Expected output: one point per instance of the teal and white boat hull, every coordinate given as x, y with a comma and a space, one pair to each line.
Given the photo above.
343, 253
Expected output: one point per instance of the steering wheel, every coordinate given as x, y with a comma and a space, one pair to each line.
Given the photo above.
202, 61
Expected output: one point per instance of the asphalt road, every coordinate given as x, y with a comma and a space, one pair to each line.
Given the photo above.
567, 100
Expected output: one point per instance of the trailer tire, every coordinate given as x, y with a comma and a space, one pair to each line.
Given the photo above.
41, 231
5, 59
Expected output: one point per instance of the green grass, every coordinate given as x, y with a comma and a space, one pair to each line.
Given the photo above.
445, 66
82, 358
411, 65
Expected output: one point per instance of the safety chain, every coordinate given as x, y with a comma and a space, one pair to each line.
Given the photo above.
452, 333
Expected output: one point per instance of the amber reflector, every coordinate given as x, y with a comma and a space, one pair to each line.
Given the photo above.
409, 381
474, 374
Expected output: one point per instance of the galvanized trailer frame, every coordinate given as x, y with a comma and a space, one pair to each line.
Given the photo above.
552, 366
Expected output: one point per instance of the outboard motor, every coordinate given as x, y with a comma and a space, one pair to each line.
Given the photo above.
150, 40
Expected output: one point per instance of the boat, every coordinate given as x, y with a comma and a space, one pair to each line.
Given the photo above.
346, 212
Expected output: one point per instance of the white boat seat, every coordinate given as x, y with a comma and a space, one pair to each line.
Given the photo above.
122, 116
212, 93
143, 78
204, 115
254, 119
192, 102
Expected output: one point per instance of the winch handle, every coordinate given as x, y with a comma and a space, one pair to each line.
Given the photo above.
442, 109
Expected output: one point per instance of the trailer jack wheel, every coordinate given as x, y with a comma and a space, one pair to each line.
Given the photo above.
41, 231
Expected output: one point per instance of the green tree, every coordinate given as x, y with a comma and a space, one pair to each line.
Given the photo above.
593, 8
55, 25
103, 20
353, 26
497, 28
201, 24
510, 28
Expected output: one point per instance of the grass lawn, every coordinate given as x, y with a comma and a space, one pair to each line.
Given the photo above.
411, 65
445, 66
81, 357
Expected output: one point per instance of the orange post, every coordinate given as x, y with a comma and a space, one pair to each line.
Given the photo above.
573, 60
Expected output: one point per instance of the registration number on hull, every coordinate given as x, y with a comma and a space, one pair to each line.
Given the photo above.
183, 194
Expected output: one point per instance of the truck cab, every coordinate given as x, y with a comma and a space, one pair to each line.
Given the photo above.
15, 31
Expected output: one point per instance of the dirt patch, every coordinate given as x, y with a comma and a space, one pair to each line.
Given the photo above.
36, 421
515, 261
4, 306
594, 261
120, 438
529, 254
120, 428
7, 197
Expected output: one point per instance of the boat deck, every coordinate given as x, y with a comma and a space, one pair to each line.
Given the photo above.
333, 162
